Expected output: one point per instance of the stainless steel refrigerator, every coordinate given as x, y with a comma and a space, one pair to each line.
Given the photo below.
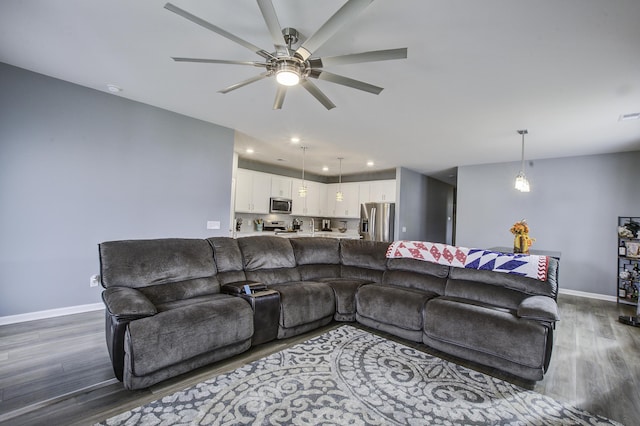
376, 221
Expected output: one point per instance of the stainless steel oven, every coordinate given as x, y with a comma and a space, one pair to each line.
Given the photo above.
280, 205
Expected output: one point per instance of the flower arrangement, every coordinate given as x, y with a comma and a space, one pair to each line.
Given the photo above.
521, 241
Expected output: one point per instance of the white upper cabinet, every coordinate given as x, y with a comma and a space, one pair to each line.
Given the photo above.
314, 204
298, 203
281, 186
252, 191
383, 190
349, 207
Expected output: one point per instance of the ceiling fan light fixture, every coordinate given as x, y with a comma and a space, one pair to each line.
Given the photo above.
288, 73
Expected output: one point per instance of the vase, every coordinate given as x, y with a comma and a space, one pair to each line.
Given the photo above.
521, 244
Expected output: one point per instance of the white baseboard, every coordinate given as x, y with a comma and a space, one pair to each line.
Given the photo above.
51, 313
588, 295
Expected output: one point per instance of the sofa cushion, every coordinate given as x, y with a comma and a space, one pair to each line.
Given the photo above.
415, 280
539, 308
186, 331
525, 285
302, 302
491, 331
364, 254
127, 303
273, 276
318, 272
228, 257
397, 306
142, 263
418, 266
266, 252
315, 250
345, 290
490, 294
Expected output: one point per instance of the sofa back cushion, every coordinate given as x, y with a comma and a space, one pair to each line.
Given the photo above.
228, 257
164, 269
316, 250
268, 259
500, 289
317, 257
416, 274
527, 286
364, 260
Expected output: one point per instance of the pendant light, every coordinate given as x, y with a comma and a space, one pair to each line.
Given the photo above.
302, 191
339, 194
522, 183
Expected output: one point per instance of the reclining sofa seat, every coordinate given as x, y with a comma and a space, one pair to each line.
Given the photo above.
500, 320
304, 304
397, 304
164, 311
344, 265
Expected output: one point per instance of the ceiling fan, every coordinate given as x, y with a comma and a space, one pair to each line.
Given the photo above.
291, 67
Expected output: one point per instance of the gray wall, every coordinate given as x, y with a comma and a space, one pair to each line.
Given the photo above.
79, 166
423, 207
573, 207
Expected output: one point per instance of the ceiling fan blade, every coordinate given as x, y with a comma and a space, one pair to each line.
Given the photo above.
208, 25
245, 82
373, 56
346, 81
316, 93
220, 61
271, 19
280, 94
347, 12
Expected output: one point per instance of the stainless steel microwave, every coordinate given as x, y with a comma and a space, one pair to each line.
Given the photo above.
280, 205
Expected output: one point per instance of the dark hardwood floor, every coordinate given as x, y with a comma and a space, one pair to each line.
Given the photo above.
57, 371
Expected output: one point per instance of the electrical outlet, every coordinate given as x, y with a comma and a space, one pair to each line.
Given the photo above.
94, 280
213, 224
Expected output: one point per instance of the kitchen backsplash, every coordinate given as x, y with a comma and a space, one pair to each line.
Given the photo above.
248, 221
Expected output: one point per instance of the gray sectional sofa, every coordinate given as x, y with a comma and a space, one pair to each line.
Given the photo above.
173, 305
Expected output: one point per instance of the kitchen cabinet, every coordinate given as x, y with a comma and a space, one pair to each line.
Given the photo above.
349, 207
281, 187
377, 191
382, 190
314, 204
252, 192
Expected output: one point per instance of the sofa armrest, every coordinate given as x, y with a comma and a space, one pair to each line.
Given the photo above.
123, 305
237, 288
541, 308
127, 303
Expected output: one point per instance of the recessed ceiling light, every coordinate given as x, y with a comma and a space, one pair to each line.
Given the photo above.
325, 168
295, 139
113, 88
249, 150
370, 163
631, 116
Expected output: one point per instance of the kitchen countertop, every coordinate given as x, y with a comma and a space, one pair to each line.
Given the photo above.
304, 233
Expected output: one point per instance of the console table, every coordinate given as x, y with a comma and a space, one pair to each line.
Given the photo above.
550, 253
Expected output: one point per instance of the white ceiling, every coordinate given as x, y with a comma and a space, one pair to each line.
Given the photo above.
476, 72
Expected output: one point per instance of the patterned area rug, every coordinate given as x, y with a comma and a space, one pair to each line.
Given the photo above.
348, 376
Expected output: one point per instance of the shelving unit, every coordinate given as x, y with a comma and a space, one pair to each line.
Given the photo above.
628, 264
